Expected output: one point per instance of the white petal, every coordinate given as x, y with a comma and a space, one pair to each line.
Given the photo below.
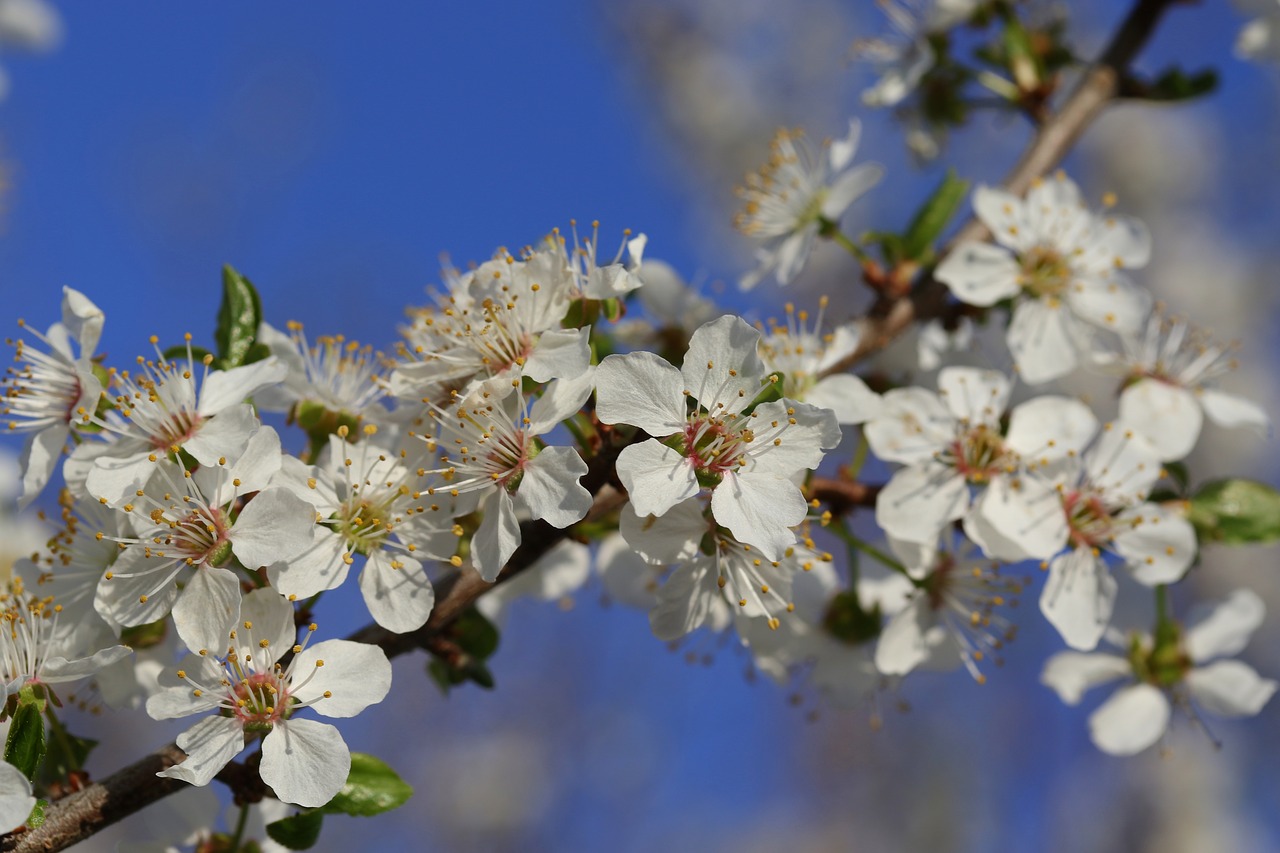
16, 801
973, 395
793, 252
1042, 341
760, 510
356, 675
1050, 427
223, 389
317, 568
305, 762
980, 273
1229, 688
399, 599
1130, 721
227, 434
175, 702
561, 353
1228, 410
627, 579
497, 537
1078, 597
1157, 543
1124, 241
1168, 416
274, 526
912, 426
655, 476
210, 745
1002, 213
83, 319
841, 152
1071, 674
271, 616
58, 669
1123, 464
1111, 302
39, 458
672, 537
715, 349
1223, 627
920, 500
902, 645
118, 478
684, 600
551, 488
849, 187
846, 395
643, 390
562, 399
208, 609
800, 445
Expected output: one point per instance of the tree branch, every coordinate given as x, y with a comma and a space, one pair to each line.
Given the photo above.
891, 316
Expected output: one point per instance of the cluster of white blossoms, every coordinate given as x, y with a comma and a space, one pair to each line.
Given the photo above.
705, 507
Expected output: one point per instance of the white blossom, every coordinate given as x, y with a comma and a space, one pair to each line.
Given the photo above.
747, 458
49, 392
1169, 371
1187, 672
1259, 39
789, 198
305, 762
1061, 264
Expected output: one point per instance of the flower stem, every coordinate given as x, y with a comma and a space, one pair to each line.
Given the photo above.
241, 823
843, 240
856, 544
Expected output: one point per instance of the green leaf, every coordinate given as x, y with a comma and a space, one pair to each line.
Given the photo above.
372, 788
1177, 85
297, 832
476, 635
1236, 512
36, 819
239, 316
934, 216
65, 755
1177, 471
25, 746
179, 351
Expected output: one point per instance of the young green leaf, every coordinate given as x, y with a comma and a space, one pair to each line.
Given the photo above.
1236, 512
25, 746
297, 832
934, 216
239, 316
372, 788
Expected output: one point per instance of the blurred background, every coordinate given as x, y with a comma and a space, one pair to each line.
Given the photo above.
334, 152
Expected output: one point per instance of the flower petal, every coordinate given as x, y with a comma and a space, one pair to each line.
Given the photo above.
274, 526
223, 389
1229, 688
210, 745
397, 592
207, 609
1078, 597
355, 675
1228, 410
849, 187
305, 762
643, 390
551, 486
1223, 627
497, 537
560, 353
655, 476
16, 801
1157, 543
1168, 416
973, 395
980, 273
1130, 721
1042, 340
1070, 674
760, 510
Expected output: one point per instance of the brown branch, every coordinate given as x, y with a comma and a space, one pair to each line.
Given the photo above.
843, 495
891, 316
127, 791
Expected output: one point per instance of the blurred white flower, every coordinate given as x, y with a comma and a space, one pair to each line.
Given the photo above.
793, 195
